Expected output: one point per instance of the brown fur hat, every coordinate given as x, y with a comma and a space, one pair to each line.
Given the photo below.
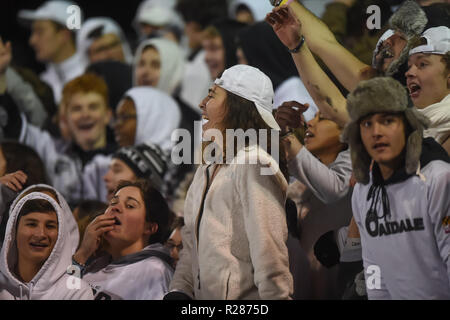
379, 95
410, 20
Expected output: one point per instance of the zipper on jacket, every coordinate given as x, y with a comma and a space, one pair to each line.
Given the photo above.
202, 206
199, 216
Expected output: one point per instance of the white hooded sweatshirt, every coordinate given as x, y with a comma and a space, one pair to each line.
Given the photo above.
105, 26
52, 281
172, 63
157, 114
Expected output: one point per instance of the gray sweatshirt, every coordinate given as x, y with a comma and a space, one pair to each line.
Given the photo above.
407, 254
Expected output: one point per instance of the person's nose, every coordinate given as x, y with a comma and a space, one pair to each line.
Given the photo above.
39, 232
203, 103
411, 72
106, 177
377, 130
311, 123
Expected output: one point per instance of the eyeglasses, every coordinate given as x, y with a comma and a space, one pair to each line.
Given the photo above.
121, 118
171, 246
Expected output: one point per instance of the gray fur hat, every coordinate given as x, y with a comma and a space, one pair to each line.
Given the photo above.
379, 95
410, 20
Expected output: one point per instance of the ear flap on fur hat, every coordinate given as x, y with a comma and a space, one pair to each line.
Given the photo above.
360, 158
418, 123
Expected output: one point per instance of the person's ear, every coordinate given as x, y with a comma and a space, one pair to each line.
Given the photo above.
108, 115
150, 228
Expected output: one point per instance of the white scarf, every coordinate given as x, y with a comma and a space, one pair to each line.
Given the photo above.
439, 115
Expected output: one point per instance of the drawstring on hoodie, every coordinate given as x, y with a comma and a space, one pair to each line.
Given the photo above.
31, 290
374, 194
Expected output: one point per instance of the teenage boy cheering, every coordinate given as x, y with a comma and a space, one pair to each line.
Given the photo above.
401, 206
428, 81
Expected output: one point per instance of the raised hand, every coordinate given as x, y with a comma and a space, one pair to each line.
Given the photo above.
286, 26
92, 237
15, 180
290, 115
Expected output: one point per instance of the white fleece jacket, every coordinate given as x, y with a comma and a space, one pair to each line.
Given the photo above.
237, 248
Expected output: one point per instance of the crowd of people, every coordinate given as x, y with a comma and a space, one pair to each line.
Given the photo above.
238, 149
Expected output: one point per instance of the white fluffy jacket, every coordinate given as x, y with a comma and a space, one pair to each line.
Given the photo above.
238, 251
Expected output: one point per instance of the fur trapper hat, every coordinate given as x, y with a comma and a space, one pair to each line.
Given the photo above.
410, 20
380, 95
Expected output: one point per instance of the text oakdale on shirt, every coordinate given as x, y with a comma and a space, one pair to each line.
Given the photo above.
237, 142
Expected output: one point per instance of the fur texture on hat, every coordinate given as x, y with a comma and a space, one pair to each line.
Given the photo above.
379, 95
410, 20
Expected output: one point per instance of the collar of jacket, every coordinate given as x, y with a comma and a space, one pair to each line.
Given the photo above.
431, 151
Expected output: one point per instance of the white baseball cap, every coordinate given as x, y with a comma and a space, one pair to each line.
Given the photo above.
252, 84
55, 10
438, 41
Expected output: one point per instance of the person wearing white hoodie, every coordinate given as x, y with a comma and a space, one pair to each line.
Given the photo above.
158, 18
146, 115
101, 39
160, 63
41, 237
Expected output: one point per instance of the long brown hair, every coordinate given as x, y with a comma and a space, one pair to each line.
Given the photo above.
242, 114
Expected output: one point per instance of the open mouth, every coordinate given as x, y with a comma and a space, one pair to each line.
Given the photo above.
86, 126
380, 146
147, 82
117, 221
414, 90
308, 135
386, 52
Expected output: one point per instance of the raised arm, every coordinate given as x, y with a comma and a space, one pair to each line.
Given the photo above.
348, 69
325, 94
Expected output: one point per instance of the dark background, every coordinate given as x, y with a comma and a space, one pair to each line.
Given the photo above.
121, 11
